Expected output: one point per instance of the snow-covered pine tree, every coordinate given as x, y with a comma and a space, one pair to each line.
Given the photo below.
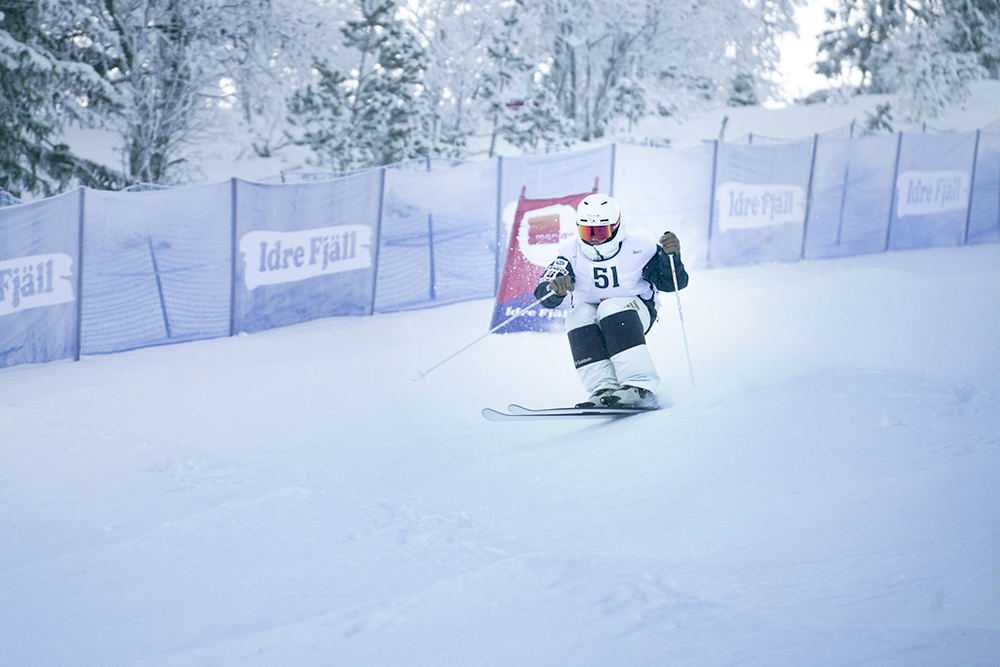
506, 83
610, 61
928, 75
926, 51
168, 59
859, 41
46, 84
589, 52
538, 121
268, 55
973, 26
154, 71
454, 37
370, 114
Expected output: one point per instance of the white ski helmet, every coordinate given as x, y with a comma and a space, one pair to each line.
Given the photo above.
598, 221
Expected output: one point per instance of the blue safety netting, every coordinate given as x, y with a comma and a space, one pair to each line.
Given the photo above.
668, 190
40, 280
760, 202
852, 185
305, 250
555, 174
157, 267
984, 213
439, 236
94, 272
933, 186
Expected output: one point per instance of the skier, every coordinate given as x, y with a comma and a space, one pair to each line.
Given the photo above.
614, 277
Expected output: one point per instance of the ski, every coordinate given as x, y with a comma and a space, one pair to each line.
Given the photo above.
596, 411
517, 412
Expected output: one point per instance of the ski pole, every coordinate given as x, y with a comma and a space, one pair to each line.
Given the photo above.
421, 376
680, 313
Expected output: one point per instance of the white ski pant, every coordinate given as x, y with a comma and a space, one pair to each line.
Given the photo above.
608, 342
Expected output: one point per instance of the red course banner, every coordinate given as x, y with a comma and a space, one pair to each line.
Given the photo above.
539, 226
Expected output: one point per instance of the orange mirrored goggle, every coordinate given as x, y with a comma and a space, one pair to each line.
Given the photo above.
596, 235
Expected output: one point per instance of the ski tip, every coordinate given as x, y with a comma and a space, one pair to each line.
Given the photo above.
497, 415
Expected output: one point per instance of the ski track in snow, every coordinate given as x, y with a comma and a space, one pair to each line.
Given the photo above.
827, 496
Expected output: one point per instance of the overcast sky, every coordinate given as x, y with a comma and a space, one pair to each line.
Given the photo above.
798, 53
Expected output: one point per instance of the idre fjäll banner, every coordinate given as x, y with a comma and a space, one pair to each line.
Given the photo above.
539, 226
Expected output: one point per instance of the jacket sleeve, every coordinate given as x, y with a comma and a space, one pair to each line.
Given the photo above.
657, 272
560, 266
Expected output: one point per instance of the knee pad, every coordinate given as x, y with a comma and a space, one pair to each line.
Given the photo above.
588, 345
622, 331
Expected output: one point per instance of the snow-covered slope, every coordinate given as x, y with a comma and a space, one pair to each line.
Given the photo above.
826, 496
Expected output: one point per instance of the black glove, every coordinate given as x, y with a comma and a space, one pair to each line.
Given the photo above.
670, 244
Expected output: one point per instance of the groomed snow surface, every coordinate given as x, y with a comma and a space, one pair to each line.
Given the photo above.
828, 495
